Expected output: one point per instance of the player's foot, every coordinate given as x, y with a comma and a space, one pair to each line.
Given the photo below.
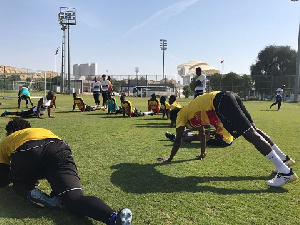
123, 217
281, 179
170, 136
270, 106
39, 198
288, 162
4, 113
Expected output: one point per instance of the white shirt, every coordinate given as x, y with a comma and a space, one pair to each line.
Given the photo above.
201, 87
105, 84
96, 86
279, 92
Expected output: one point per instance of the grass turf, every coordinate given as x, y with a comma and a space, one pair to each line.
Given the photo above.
116, 159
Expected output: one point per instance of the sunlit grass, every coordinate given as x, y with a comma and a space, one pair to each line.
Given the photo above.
116, 159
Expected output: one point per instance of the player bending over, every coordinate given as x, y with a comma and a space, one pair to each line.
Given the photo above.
226, 112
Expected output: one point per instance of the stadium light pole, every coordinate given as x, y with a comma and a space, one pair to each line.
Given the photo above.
137, 79
163, 47
66, 17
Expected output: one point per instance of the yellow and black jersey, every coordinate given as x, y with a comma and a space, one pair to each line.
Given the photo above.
80, 104
18, 138
153, 103
127, 106
175, 105
201, 111
165, 106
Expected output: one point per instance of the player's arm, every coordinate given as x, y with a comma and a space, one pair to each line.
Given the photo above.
74, 105
202, 136
176, 145
39, 106
49, 112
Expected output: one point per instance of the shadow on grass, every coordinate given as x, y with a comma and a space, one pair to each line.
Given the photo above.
12, 206
144, 178
154, 125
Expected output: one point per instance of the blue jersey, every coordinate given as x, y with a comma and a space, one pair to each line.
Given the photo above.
110, 103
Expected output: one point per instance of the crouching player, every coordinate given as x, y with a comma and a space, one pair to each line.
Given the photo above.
153, 104
28, 154
165, 107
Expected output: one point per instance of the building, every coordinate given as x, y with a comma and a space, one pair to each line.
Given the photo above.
80, 71
188, 70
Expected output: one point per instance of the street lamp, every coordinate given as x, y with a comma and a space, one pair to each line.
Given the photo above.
66, 17
163, 47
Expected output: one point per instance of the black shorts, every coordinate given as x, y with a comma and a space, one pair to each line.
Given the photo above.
96, 97
51, 159
28, 113
104, 96
232, 113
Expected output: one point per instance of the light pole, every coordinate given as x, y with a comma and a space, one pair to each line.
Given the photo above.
66, 17
137, 78
163, 47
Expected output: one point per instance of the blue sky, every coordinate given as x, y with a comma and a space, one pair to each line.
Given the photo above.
120, 35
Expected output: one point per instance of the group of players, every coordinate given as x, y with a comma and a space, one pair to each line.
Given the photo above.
29, 154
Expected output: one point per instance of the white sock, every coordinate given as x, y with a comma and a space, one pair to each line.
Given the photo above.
274, 158
147, 113
281, 155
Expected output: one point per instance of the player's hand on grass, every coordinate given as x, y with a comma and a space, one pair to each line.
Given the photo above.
163, 159
202, 156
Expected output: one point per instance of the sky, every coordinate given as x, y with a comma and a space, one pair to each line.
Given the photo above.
120, 35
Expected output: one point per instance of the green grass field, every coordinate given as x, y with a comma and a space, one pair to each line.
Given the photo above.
116, 159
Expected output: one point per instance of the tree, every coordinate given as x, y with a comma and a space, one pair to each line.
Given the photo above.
273, 63
187, 91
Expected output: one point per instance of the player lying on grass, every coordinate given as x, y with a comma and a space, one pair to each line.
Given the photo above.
128, 110
82, 106
37, 111
24, 94
153, 104
224, 109
29, 154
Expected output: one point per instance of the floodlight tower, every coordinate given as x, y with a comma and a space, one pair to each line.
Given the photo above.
163, 47
66, 17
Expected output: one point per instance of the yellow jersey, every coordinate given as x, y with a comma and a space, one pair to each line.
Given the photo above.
80, 104
18, 138
127, 107
153, 103
165, 106
175, 105
201, 111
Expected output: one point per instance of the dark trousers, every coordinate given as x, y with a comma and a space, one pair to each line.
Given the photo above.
52, 159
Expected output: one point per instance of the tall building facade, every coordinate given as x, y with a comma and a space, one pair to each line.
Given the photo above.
82, 70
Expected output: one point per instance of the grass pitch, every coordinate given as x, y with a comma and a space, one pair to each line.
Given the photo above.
116, 160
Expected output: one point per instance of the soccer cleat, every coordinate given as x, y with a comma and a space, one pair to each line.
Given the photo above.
123, 217
170, 136
288, 162
39, 198
281, 179
4, 113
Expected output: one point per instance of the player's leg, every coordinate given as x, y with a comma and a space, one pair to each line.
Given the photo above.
61, 173
237, 123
